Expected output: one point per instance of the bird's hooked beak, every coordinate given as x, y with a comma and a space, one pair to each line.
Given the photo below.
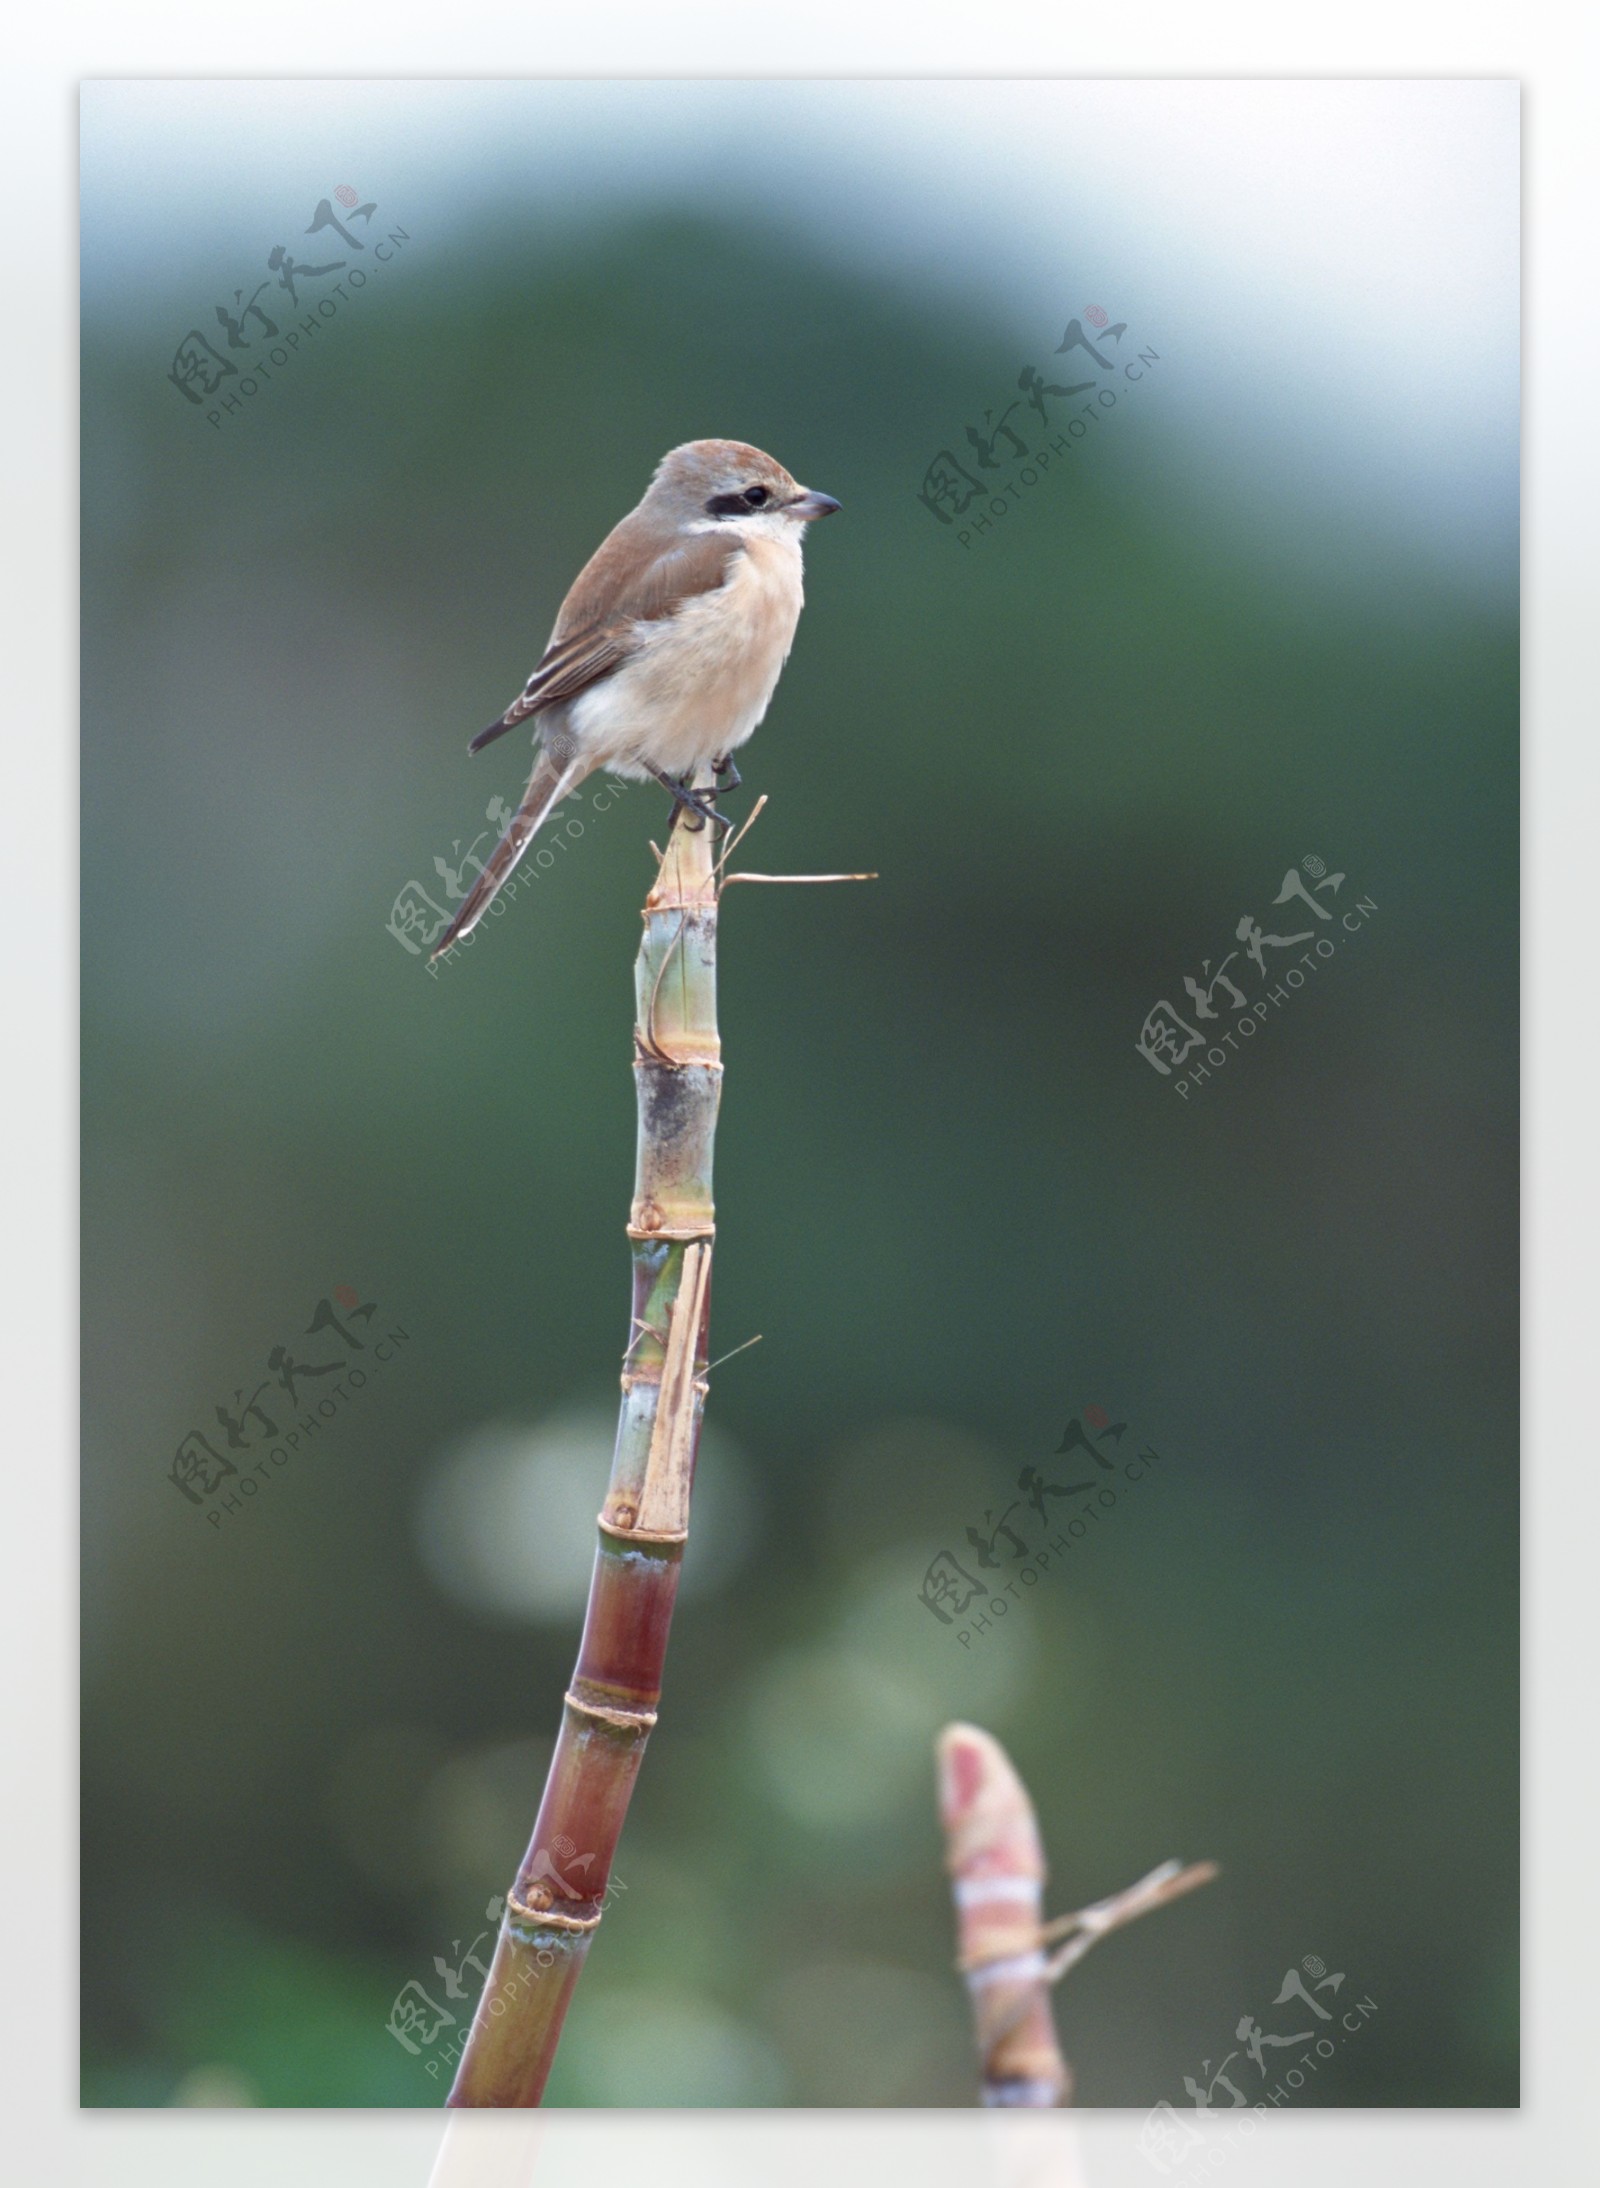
812, 505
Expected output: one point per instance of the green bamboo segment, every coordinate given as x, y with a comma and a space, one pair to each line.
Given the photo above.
554, 1908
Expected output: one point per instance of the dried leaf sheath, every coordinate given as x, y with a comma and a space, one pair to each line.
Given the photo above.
554, 1908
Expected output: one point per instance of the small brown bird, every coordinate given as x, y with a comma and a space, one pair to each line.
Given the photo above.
669, 646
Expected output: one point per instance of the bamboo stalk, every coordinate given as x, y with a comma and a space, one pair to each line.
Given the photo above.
554, 1907
997, 1869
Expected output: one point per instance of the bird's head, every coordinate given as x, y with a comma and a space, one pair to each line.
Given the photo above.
709, 484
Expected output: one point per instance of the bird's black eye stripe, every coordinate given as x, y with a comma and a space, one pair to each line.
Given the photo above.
738, 505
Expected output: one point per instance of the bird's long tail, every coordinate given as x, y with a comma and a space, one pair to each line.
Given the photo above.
550, 782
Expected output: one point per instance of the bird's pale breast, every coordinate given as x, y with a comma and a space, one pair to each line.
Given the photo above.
704, 676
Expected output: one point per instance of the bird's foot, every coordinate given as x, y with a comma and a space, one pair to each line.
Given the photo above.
726, 767
692, 801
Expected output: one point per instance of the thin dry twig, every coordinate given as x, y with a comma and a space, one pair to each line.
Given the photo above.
745, 1347
1168, 1882
729, 879
741, 832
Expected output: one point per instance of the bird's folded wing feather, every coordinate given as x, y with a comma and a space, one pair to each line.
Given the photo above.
621, 588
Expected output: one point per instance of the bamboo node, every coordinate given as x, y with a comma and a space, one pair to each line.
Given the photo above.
536, 1910
639, 1721
640, 1536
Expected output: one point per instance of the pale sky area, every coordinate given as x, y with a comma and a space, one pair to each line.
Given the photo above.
1330, 268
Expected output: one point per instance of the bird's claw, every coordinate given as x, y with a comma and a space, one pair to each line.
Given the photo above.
692, 802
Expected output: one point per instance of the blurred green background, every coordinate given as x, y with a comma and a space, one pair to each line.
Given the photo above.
1266, 615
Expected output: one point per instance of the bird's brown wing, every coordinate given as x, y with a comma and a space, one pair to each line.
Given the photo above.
625, 584
567, 668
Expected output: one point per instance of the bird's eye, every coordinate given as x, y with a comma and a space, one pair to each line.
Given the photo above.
738, 504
